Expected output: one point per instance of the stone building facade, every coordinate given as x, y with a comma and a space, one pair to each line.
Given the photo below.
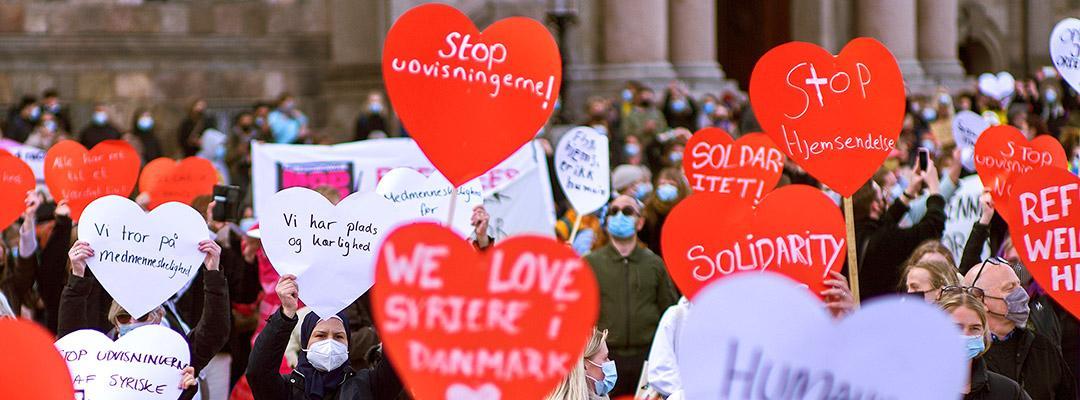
166, 53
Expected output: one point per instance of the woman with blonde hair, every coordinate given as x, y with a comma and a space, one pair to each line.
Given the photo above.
965, 306
928, 277
592, 376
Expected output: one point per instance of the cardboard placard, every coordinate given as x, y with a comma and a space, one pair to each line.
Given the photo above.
446, 313
747, 168
1044, 230
764, 335
325, 245
427, 198
795, 230
1065, 50
836, 116
1002, 152
998, 87
33, 369
81, 176
16, 179
142, 258
470, 98
583, 168
145, 364
168, 180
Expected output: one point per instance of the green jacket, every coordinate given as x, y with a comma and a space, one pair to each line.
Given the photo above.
634, 292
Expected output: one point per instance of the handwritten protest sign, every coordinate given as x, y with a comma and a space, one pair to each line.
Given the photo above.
966, 128
795, 230
738, 343
1046, 231
16, 179
961, 213
747, 168
33, 370
470, 98
420, 198
32, 156
80, 176
583, 168
1002, 152
838, 117
325, 245
507, 323
142, 258
145, 364
1065, 50
167, 180
999, 87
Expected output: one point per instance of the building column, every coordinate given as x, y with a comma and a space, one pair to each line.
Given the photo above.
692, 29
938, 42
636, 41
893, 23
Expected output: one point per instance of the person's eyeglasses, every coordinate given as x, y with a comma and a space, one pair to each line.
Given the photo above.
627, 211
126, 319
995, 261
951, 290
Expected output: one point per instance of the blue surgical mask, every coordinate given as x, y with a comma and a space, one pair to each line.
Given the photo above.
1051, 95
709, 108
929, 114
642, 191
678, 105
35, 113
944, 99
627, 95
675, 157
929, 145
632, 149
622, 226
145, 123
611, 375
55, 108
975, 346
127, 328
100, 118
667, 192
374, 108
49, 125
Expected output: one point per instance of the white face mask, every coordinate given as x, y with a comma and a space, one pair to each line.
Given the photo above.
327, 354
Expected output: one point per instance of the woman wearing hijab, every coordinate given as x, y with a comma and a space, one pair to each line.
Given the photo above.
323, 372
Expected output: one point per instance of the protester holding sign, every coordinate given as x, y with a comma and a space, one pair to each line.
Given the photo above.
634, 290
322, 372
970, 316
49, 263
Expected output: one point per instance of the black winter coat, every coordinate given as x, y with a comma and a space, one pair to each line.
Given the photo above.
883, 245
1042, 370
986, 385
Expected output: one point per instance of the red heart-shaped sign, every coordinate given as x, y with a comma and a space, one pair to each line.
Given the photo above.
1045, 204
33, 368
470, 99
795, 230
16, 178
747, 168
167, 180
1002, 152
509, 322
838, 117
79, 176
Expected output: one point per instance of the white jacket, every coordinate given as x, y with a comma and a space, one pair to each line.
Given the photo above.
663, 370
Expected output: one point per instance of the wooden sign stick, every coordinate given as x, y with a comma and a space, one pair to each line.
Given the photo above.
852, 254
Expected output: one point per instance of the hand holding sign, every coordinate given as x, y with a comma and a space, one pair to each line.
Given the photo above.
33, 368
420, 198
80, 176
443, 309
747, 168
16, 179
738, 340
1044, 204
1065, 50
1003, 152
329, 248
142, 258
167, 180
146, 364
795, 230
470, 99
583, 168
838, 117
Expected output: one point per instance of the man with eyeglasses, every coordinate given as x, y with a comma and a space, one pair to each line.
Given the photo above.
1017, 352
634, 291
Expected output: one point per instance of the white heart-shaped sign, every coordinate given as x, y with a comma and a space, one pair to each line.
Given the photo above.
1065, 50
331, 249
486, 391
762, 332
1000, 86
966, 128
419, 198
583, 168
145, 364
142, 258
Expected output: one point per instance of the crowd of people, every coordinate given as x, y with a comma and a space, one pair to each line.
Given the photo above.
250, 336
